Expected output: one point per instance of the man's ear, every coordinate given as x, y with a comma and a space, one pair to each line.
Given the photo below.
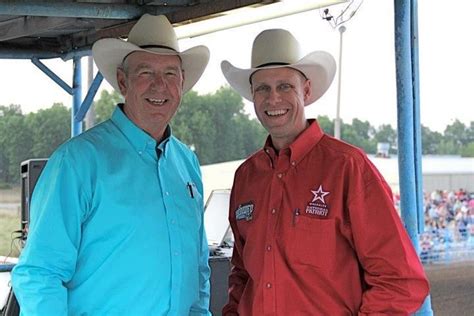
122, 81
182, 75
307, 90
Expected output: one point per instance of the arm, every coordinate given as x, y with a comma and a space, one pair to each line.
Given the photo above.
238, 276
202, 306
396, 283
48, 261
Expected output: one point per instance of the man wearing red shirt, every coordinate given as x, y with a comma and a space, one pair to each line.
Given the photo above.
315, 228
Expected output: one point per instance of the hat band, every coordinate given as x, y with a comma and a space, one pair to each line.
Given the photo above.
266, 65
272, 64
157, 46
276, 64
149, 46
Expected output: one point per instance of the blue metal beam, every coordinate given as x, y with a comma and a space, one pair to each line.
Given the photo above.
416, 115
6, 267
33, 53
76, 127
406, 155
52, 75
81, 9
409, 137
86, 104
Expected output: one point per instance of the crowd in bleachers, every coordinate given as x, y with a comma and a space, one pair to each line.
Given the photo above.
449, 226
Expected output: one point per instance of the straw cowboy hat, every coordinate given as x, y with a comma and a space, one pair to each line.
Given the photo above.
277, 48
152, 34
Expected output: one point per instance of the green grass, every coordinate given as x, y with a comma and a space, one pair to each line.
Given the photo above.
8, 224
10, 195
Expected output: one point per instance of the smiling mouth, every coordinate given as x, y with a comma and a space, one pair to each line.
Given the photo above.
156, 102
274, 113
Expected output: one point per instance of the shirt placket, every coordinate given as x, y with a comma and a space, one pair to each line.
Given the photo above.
164, 171
280, 166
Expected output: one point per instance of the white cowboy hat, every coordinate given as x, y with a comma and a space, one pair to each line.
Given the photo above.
277, 48
152, 34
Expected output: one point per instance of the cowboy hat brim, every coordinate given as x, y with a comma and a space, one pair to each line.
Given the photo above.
109, 54
319, 67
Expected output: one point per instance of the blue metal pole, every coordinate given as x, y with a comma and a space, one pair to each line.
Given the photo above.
416, 115
52, 75
407, 119
17, 53
426, 307
406, 163
86, 104
76, 127
6, 267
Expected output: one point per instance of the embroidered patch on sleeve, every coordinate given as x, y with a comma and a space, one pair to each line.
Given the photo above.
244, 211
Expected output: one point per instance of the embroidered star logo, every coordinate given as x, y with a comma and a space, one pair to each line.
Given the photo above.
319, 194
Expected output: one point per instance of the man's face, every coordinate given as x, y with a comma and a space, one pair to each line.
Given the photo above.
152, 86
279, 96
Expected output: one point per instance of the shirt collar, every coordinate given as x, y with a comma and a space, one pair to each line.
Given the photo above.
139, 139
302, 144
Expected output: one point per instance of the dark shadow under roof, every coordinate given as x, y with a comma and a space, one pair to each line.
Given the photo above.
51, 29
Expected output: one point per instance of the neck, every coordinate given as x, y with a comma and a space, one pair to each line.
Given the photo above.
281, 142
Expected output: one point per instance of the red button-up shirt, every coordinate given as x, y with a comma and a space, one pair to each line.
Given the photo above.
316, 233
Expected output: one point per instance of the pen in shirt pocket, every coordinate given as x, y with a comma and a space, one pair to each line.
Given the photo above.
190, 189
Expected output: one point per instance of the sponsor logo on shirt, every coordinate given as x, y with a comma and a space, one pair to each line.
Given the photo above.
244, 211
318, 207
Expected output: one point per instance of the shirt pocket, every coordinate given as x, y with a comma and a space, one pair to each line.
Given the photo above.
314, 242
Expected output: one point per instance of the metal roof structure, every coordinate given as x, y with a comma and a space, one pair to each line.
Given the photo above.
64, 29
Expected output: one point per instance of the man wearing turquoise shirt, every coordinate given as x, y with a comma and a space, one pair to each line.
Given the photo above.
116, 223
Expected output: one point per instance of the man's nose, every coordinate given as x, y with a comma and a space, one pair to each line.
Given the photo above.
158, 81
273, 96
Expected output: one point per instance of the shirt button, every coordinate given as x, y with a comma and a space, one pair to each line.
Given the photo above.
167, 193
293, 163
140, 152
280, 175
273, 211
176, 253
173, 221
269, 285
269, 248
267, 151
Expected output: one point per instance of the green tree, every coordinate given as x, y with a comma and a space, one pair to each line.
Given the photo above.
326, 124
468, 151
455, 134
106, 105
217, 127
386, 134
51, 127
359, 133
430, 141
15, 142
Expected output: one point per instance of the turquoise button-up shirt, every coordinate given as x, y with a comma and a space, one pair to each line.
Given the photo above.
116, 228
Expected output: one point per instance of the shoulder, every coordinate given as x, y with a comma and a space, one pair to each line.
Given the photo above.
338, 148
351, 160
87, 146
251, 162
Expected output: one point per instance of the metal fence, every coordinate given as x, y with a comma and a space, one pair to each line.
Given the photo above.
447, 245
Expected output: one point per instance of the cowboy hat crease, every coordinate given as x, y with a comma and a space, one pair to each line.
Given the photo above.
277, 48
152, 34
